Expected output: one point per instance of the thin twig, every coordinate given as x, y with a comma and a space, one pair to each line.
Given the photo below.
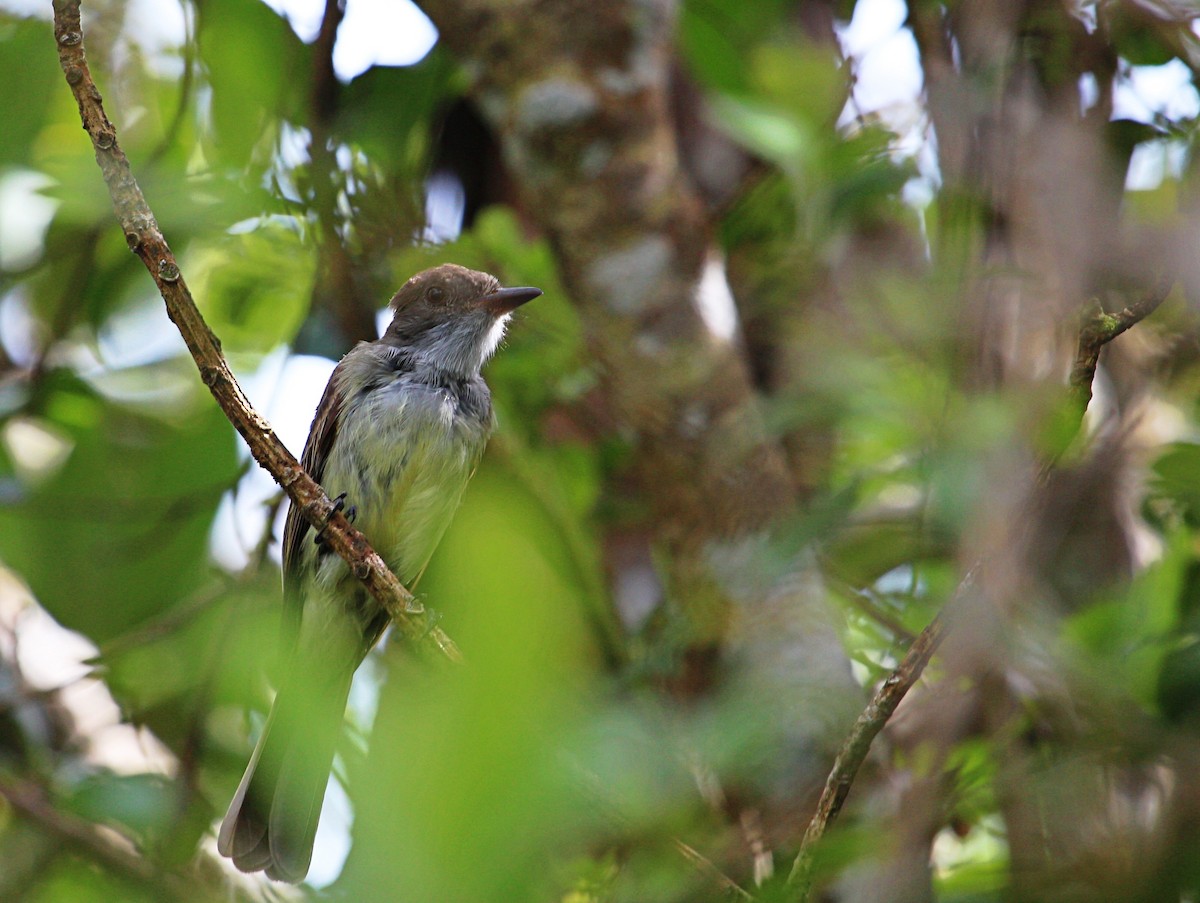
868, 604
32, 802
698, 860
706, 867
856, 746
147, 241
1096, 331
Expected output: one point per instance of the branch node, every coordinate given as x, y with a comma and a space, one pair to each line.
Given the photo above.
105, 140
74, 75
70, 38
168, 271
133, 240
210, 375
362, 570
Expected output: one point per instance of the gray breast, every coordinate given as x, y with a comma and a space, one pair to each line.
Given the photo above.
405, 449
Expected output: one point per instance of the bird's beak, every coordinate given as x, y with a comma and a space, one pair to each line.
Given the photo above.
507, 299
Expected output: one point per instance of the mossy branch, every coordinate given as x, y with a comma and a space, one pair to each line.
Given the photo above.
1098, 328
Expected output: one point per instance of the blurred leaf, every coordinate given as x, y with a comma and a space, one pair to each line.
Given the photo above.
482, 761
777, 69
1135, 40
119, 531
26, 61
1179, 679
1177, 478
766, 213
1156, 206
216, 647
765, 130
70, 880
87, 273
64, 153
1178, 690
259, 72
253, 287
974, 882
867, 180
860, 555
717, 35
144, 804
380, 110
1124, 639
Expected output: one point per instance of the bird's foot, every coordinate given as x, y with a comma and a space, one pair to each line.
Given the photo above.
339, 504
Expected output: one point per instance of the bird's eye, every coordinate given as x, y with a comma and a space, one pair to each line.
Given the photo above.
435, 293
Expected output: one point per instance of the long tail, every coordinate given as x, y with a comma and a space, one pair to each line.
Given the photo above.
272, 820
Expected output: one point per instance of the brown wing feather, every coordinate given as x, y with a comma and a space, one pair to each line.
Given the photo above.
296, 529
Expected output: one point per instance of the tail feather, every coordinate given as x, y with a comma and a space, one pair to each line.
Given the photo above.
272, 820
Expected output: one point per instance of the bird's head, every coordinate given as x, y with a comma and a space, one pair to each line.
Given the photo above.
453, 317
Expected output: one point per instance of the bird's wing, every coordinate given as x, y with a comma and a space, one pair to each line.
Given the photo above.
316, 452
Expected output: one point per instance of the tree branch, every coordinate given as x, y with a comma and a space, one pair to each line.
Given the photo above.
32, 802
856, 746
1095, 332
335, 285
1099, 328
147, 241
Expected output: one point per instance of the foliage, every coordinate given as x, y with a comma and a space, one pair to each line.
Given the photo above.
561, 763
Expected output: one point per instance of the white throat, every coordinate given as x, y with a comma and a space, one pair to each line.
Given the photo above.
461, 347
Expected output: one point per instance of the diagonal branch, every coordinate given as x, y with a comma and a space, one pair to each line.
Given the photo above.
145, 240
81, 836
858, 743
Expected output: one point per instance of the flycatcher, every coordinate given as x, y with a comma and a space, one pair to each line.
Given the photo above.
398, 433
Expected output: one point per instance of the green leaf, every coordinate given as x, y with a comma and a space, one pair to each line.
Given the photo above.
259, 72
1124, 639
153, 668
1135, 41
765, 130
26, 59
515, 607
716, 37
1177, 478
144, 804
253, 287
73, 880
381, 108
116, 529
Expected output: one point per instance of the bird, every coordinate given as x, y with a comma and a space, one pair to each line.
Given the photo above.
398, 433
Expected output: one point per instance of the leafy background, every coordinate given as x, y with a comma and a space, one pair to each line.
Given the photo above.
906, 312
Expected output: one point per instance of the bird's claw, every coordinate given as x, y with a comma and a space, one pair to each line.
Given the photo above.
339, 504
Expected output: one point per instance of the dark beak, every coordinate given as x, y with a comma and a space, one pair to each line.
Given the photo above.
507, 299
